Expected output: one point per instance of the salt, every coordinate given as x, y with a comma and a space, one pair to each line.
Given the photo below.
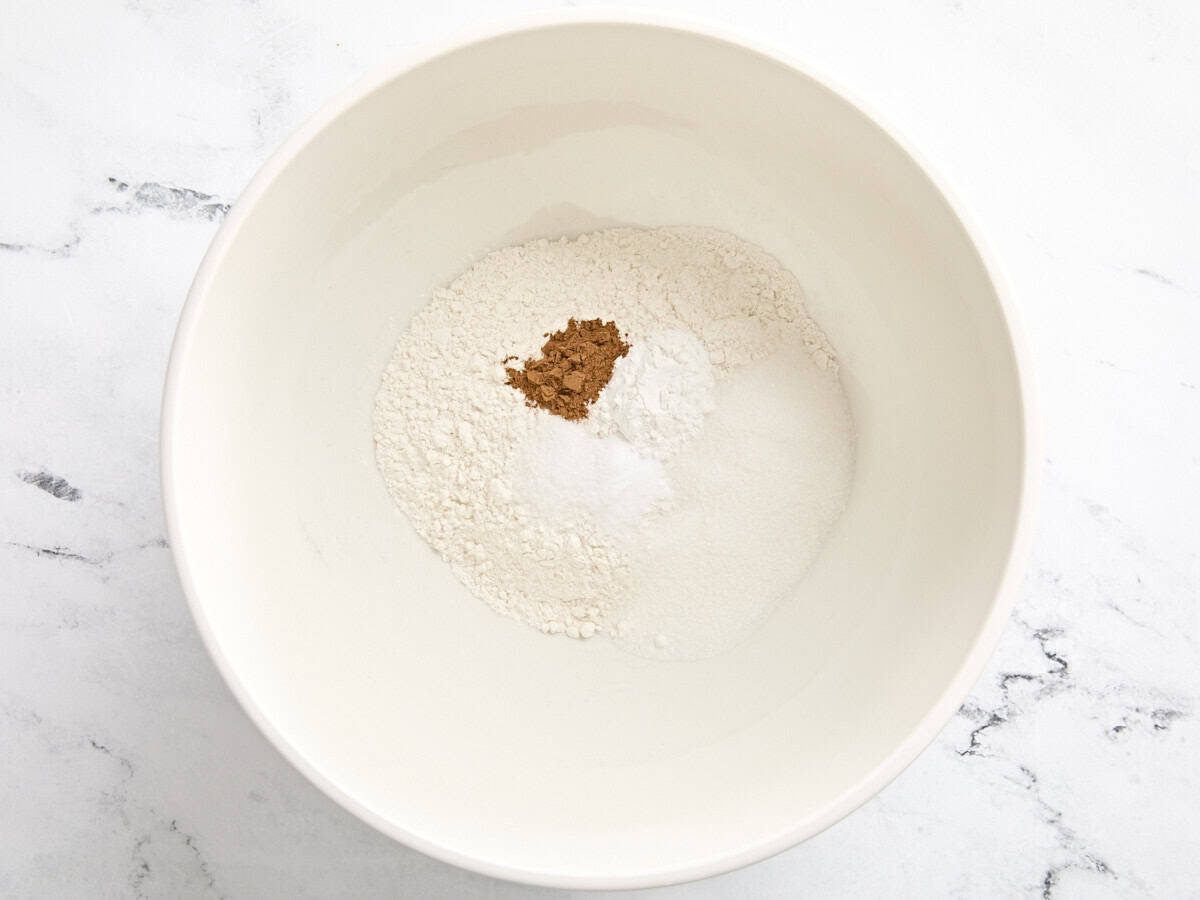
572, 479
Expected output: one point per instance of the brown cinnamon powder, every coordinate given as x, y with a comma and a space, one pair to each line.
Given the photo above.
576, 364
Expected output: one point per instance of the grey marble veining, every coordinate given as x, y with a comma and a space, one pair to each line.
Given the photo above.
129, 770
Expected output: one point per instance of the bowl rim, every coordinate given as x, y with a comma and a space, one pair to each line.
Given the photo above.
938, 715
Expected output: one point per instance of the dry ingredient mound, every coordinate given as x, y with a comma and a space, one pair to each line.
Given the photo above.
575, 365
672, 510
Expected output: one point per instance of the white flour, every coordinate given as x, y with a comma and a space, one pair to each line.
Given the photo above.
698, 490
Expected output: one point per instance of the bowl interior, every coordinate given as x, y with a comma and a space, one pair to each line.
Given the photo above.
476, 738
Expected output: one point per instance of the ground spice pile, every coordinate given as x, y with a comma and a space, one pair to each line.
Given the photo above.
576, 364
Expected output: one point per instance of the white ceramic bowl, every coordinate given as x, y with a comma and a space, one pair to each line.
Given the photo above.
351, 644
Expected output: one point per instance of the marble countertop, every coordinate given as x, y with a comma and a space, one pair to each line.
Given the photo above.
1073, 129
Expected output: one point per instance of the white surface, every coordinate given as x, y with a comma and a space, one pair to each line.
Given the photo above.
128, 767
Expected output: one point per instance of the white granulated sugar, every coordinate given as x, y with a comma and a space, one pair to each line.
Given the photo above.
700, 487
756, 495
658, 395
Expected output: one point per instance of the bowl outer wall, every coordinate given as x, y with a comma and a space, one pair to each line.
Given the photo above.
871, 783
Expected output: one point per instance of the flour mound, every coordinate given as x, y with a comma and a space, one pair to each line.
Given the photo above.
461, 452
